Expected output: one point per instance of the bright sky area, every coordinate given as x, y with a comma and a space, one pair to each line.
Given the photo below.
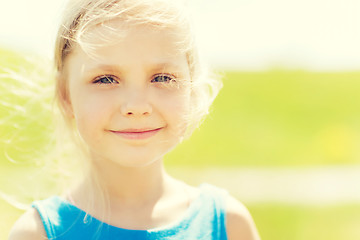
319, 35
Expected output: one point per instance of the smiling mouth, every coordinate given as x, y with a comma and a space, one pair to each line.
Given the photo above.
137, 133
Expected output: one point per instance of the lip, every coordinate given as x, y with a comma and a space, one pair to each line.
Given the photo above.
137, 134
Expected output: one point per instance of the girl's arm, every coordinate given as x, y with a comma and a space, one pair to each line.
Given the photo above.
28, 227
239, 223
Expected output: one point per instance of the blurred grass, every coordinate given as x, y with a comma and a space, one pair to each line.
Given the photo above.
279, 118
272, 118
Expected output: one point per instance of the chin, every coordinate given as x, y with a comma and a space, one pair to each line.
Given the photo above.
134, 156
141, 162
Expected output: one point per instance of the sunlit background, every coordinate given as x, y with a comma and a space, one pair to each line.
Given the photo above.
283, 135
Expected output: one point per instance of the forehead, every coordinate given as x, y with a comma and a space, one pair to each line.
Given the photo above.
115, 43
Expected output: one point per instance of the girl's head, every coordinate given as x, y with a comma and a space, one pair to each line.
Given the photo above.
125, 66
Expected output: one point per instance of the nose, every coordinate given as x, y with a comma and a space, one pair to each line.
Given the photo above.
136, 105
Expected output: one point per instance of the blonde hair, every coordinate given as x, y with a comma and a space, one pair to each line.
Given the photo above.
83, 15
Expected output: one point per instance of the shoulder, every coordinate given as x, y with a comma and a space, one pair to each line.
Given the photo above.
239, 223
29, 226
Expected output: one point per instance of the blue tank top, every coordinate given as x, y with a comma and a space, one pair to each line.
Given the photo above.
204, 219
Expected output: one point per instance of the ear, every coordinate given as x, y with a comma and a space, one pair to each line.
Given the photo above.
67, 106
63, 96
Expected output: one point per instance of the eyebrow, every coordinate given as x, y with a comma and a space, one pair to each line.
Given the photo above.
155, 66
164, 65
104, 67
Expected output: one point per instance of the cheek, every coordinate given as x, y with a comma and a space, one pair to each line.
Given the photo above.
90, 113
176, 110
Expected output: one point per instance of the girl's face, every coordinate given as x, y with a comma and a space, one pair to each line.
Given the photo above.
130, 100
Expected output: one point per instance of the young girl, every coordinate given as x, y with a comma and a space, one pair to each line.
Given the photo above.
130, 85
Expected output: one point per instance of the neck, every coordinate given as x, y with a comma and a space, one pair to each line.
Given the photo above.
126, 185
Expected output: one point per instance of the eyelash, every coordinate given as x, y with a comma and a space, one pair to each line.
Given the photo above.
170, 78
110, 79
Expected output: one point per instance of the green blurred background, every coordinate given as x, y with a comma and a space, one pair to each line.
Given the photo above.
262, 121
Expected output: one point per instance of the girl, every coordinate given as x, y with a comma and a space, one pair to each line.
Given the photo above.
130, 85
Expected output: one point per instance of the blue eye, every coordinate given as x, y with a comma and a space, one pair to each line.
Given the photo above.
163, 79
106, 79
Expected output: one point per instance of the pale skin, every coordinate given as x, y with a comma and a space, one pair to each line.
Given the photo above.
133, 101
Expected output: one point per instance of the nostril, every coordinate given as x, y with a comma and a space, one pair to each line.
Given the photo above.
136, 111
